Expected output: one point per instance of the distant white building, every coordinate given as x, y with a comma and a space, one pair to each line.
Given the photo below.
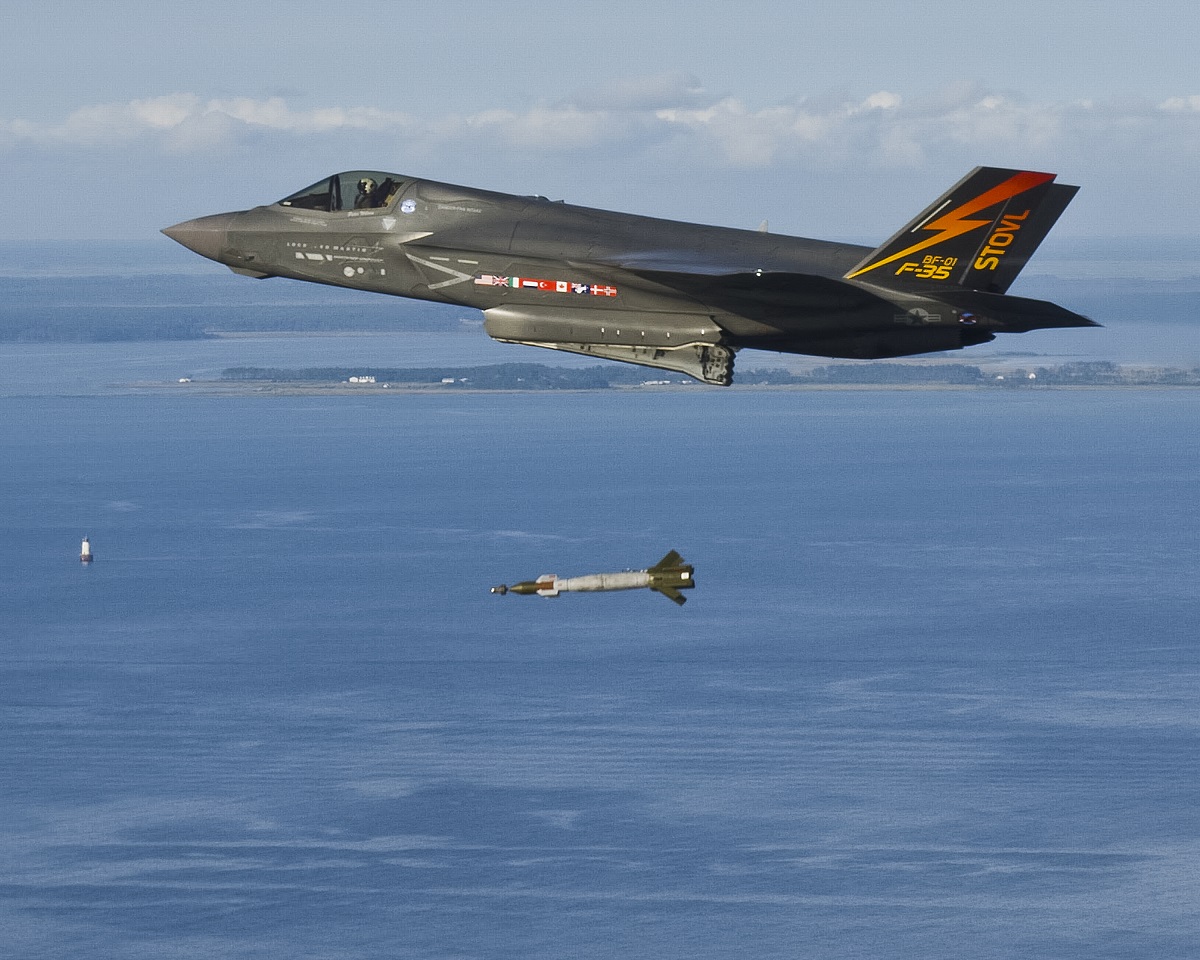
362, 379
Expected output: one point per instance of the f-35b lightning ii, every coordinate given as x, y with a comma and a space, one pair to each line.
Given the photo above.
677, 296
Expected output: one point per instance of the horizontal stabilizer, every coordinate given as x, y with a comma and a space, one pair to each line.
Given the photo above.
1012, 314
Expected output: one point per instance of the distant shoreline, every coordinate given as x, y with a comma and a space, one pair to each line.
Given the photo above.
301, 388
541, 377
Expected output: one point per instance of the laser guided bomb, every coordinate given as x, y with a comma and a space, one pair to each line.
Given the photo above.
668, 577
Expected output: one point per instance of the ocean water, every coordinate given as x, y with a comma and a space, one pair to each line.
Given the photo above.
934, 696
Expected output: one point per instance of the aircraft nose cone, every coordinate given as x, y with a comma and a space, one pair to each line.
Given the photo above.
205, 235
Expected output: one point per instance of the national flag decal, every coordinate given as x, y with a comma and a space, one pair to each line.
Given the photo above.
547, 286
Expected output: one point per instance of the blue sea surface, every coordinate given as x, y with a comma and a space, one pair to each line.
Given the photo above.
934, 695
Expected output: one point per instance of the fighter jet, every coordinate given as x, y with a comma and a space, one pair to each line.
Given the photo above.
677, 296
668, 577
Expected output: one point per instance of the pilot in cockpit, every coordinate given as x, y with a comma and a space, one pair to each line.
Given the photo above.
366, 194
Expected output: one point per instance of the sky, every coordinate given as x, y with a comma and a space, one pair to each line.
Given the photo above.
829, 119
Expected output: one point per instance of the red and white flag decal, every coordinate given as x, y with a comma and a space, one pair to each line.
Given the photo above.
546, 286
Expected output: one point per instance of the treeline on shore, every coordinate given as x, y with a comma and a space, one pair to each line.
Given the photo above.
536, 376
498, 376
1076, 373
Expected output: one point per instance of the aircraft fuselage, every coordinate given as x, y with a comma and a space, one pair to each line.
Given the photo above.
663, 293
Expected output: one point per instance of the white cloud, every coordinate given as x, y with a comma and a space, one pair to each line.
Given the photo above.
1181, 105
881, 129
561, 128
747, 137
643, 143
186, 121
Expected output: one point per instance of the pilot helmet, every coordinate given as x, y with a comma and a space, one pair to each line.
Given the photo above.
366, 185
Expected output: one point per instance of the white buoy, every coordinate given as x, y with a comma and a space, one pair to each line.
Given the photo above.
85, 552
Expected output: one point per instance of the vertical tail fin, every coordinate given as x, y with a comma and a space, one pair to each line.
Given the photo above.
978, 235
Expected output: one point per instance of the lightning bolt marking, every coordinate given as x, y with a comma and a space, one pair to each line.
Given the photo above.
956, 222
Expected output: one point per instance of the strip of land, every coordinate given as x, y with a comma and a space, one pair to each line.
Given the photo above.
540, 377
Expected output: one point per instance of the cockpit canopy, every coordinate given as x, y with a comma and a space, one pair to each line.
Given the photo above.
356, 190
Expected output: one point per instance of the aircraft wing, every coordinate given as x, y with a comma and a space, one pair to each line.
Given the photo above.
766, 297
714, 315
728, 252
790, 302
832, 259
